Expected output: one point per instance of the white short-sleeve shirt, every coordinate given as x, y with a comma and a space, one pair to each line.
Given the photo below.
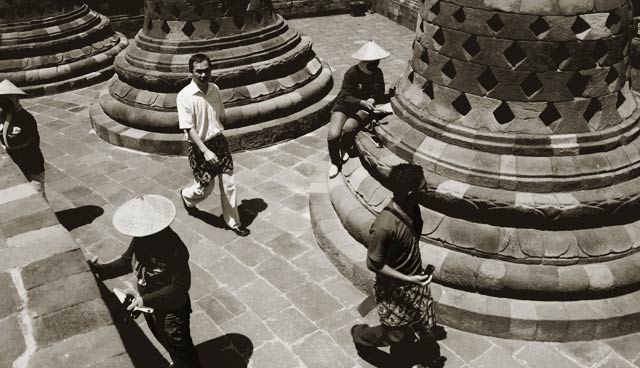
200, 111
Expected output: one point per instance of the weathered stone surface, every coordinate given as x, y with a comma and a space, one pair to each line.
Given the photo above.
10, 302
12, 343
77, 319
62, 293
53, 268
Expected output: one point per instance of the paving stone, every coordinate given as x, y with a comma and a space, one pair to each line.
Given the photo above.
74, 320
468, 347
290, 325
273, 190
108, 249
274, 355
262, 298
118, 361
287, 246
10, 302
297, 202
344, 291
62, 293
625, 346
12, 343
230, 272
216, 311
316, 264
248, 251
453, 360
319, 350
586, 353
281, 274
202, 329
31, 222
496, 358
339, 319
229, 301
614, 361
249, 325
269, 169
103, 343
544, 355
201, 282
313, 301
54, 268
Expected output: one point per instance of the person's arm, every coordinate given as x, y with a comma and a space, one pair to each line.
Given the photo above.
186, 123
379, 243
349, 88
114, 268
379, 94
175, 294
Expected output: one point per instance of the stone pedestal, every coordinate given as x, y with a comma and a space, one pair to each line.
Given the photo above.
521, 115
273, 85
47, 46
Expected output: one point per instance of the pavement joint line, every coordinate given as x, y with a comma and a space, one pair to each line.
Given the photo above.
25, 321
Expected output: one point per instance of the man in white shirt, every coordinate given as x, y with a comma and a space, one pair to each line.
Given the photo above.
201, 117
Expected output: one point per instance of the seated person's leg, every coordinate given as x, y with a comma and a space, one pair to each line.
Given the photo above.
334, 135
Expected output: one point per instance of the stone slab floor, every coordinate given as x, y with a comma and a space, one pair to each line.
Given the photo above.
272, 299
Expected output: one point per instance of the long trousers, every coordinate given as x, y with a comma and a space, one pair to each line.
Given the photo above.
173, 332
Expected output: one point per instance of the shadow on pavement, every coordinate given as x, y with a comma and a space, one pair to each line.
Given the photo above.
136, 343
73, 218
231, 350
248, 209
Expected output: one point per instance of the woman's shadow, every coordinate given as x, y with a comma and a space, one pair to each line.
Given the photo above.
231, 350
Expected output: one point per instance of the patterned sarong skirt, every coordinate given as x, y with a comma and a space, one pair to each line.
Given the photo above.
204, 171
401, 303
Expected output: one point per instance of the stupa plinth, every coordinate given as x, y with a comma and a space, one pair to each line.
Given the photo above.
272, 84
521, 115
49, 46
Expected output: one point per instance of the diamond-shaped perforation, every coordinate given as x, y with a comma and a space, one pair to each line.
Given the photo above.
531, 84
165, 27
580, 25
560, 54
577, 84
214, 27
550, 114
599, 51
188, 29
427, 88
539, 27
487, 80
612, 76
449, 70
462, 105
503, 113
259, 17
495, 23
175, 11
592, 109
149, 25
438, 36
613, 20
198, 10
459, 15
238, 20
620, 100
514, 54
471, 46
435, 9
424, 56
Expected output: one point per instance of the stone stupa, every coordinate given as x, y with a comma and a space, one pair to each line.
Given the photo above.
521, 115
273, 86
49, 46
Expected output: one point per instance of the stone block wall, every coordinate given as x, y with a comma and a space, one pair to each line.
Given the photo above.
307, 8
403, 12
51, 311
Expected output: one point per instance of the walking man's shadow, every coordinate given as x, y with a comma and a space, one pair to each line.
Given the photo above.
248, 209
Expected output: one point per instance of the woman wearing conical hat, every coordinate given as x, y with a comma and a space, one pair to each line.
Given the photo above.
19, 135
362, 88
161, 262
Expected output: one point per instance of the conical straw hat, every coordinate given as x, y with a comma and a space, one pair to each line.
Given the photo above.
8, 88
144, 215
370, 51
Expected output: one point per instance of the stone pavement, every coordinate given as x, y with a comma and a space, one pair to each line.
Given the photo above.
272, 298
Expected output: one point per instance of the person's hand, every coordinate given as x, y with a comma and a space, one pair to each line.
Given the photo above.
94, 263
137, 302
421, 280
210, 156
367, 105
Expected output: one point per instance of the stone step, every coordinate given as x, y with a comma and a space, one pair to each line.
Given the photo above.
502, 205
470, 311
498, 260
240, 139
